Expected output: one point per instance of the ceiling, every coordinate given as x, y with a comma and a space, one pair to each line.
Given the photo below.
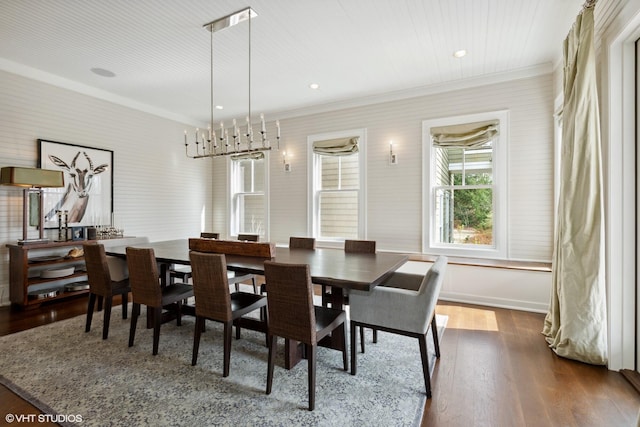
358, 51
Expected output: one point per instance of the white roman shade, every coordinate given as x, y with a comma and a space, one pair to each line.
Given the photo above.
257, 155
469, 135
337, 146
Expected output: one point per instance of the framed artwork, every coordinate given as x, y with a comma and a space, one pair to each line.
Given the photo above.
87, 197
77, 233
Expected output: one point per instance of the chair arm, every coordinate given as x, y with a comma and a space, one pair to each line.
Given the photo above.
395, 308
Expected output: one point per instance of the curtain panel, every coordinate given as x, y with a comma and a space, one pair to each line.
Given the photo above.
576, 324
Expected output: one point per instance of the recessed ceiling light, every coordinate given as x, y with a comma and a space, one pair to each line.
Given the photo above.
219, 107
102, 72
314, 85
460, 53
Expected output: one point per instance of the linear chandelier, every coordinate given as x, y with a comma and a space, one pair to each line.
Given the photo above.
234, 140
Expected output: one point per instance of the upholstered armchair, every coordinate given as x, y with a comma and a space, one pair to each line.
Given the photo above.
404, 304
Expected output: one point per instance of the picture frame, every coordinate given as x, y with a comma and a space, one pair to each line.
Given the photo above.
77, 233
87, 196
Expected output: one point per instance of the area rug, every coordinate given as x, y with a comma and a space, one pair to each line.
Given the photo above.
82, 380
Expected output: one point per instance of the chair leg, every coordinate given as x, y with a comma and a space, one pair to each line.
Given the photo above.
90, 308
361, 338
99, 303
107, 317
255, 286
345, 363
227, 347
425, 363
311, 354
237, 287
271, 360
135, 312
157, 321
125, 304
434, 333
325, 296
196, 339
237, 331
178, 313
375, 336
353, 347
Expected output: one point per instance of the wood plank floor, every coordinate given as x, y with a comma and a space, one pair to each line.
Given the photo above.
495, 370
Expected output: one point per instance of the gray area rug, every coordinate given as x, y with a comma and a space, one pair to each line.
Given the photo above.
63, 370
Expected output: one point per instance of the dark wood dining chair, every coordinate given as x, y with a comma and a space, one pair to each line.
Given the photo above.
238, 278
351, 246
215, 302
405, 305
146, 289
293, 316
302, 243
183, 272
101, 286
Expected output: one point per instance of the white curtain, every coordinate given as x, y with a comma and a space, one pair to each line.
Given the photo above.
576, 324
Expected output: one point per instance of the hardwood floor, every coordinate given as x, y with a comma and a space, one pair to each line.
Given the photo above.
495, 370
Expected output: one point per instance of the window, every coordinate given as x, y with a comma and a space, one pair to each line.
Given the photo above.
249, 194
465, 185
336, 185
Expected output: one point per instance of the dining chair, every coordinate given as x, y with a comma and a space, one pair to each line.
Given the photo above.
302, 243
101, 286
397, 307
215, 302
293, 316
351, 246
237, 278
183, 272
146, 289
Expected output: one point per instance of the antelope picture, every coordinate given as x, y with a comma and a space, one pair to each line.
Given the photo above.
75, 199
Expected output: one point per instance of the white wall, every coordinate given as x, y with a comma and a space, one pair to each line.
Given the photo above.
394, 200
161, 194
158, 192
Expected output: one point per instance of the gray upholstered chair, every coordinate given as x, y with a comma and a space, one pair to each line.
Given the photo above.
292, 315
404, 305
215, 302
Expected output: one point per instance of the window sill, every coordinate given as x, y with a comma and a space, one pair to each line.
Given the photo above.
490, 263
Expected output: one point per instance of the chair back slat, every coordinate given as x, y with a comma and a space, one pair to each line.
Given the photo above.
143, 276
290, 301
360, 246
211, 286
302, 243
95, 260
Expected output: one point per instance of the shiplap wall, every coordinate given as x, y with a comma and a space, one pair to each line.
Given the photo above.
394, 192
158, 192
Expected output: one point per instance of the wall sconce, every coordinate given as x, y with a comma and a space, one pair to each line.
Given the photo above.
393, 158
32, 181
285, 163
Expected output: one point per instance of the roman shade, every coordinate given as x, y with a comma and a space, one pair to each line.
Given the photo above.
248, 156
337, 146
469, 135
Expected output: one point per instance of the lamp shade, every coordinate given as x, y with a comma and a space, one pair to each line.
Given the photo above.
31, 177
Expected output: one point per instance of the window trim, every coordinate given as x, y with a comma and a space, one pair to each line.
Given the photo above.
232, 192
500, 176
312, 201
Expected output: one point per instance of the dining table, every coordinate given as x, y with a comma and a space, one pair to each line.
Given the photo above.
328, 266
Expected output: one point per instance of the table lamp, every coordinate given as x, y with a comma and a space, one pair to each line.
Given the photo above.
32, 180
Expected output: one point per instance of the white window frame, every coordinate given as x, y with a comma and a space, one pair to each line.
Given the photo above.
500, 165
233, 191
313, 224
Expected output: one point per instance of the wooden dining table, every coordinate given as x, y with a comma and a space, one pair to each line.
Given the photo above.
331, 267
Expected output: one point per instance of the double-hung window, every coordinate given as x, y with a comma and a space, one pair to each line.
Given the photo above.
465, 185
336, 186
249, 194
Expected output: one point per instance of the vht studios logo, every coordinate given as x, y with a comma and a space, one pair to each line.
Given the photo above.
42, 418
